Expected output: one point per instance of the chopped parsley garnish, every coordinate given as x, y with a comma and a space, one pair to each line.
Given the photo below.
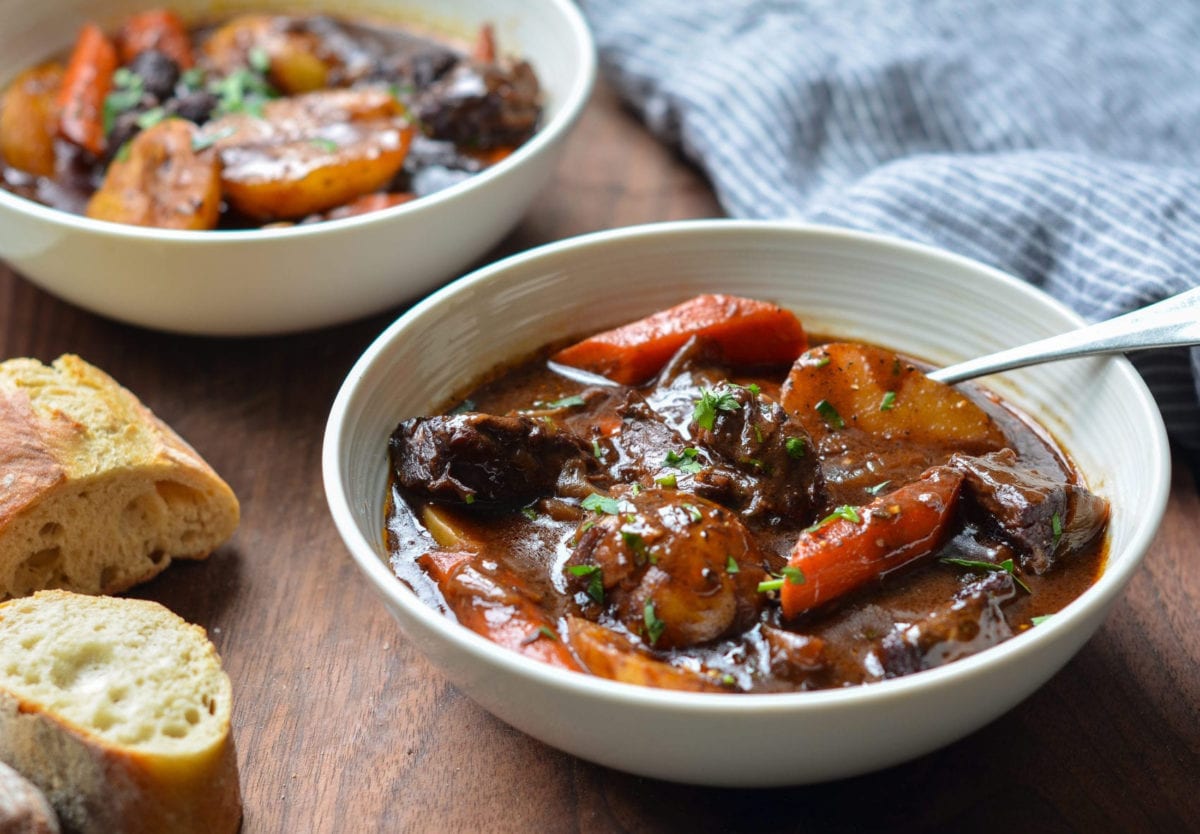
259, 60
565, 402
685, 460
795, 447
470, 498
667, 481
844, 512
1039, 620
123, 152
595, 586
823, 361
600, 504
1007, 566
731, 565
151, 117
728, 680
597, 449
878, 488
634, 541
242, 91
693, 512
888, 402
654, 626
543, 631
1056, 528
829, 415
529, 512
789, 574
193, 79
327, 145
753, 388
202, 142
705, 412
127, 91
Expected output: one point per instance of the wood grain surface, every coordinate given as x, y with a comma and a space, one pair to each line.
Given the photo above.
341, 726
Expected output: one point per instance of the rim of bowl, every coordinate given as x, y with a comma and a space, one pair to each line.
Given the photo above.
1111, 581
572, 107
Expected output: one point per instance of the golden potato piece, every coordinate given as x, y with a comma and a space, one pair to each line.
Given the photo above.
29, 119
161, 181
607, 654
299, 62
841, 386
310, 153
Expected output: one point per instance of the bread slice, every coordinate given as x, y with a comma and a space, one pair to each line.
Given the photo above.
96, 493
118, 711
23, 808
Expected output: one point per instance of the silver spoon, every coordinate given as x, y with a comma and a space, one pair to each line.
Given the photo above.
1172, 322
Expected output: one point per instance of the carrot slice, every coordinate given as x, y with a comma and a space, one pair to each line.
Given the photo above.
158, 29
497, 604
85, 86
746, 331
861, 544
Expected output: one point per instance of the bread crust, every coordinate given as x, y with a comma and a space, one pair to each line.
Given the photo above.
23, 808
100, 786
76, 447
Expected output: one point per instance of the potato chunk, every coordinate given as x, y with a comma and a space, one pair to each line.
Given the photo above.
310, 153
161, 181
299, 61
29, 119
842, 385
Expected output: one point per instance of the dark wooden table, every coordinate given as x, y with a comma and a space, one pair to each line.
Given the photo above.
341, 726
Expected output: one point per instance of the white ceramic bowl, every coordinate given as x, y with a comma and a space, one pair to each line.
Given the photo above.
924, 302
258, 282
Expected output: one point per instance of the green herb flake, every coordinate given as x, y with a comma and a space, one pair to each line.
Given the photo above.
470, 498
728, 679
126, 94
794, 576
845, 512
321, 143
667, 481
888, 402
878, 488
795, 447
543, 631
770, 585
823, 361
597, 449
529, 512
685, 461
122, 154
204, 141
601, 504
636, 544
654, 626
1007, 566
595, 586
193, 79
693, 512
636, 489
704, 414
1037, 621
259, 60
1056, 528
829, 415
753, 388
731, 565
151, 117
566, 402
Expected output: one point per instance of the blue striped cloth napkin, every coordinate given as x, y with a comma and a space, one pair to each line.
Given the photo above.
1059, 142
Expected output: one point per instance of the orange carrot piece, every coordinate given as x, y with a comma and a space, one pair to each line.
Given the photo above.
85, 85
746, 331
484, 50
159, 29
892, 531
497, 604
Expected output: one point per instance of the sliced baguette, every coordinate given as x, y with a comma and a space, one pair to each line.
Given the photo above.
96, 493
119, 712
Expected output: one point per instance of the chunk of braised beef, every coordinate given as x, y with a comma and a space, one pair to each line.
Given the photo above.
1044, 519
675, 569
471, 458
482, 106
158, 71
196, 106
794, 656
972, 622
754, 434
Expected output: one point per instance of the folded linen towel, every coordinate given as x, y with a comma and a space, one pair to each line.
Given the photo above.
1059, 142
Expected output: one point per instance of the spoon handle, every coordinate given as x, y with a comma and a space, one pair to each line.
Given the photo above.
1171, 322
